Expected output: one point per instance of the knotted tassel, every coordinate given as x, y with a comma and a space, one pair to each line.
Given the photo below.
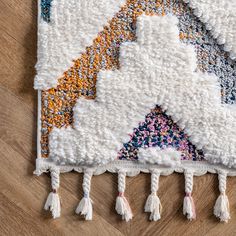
221, 208
85, 207
188, 205
153, 203
53, 201
122, 205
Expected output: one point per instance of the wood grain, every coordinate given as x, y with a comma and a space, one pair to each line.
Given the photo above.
22, 194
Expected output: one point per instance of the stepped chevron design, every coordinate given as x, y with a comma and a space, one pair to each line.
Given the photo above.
149, 74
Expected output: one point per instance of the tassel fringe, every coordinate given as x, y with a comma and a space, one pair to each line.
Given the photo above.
123, 208
53, 201
221, 208
153, 203
85, 208
189, 207
53, 204
154, 206
122, 205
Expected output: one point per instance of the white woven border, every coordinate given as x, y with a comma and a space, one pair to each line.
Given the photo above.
39, 125
133, 168
39, 100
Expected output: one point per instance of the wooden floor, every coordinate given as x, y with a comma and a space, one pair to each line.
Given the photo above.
22, 194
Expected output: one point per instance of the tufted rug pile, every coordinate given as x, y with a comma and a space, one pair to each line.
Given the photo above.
130, 86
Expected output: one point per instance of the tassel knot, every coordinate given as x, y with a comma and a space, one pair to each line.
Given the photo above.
121, 194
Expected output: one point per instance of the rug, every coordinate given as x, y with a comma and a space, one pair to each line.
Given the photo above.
130, 86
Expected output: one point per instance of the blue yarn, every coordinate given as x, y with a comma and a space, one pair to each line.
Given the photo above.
46, 10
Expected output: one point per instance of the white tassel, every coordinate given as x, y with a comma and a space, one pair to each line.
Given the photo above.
221, 208
153, 203
123, 208
189, 207
53, 204
188, 204
53, 201
85, 207
122, 205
